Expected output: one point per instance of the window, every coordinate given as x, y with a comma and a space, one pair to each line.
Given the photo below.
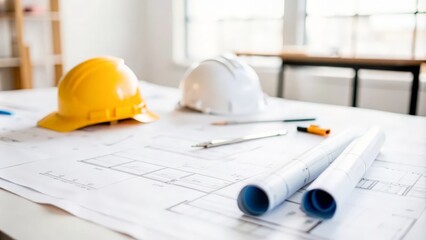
387, 28
216, 26
363, 28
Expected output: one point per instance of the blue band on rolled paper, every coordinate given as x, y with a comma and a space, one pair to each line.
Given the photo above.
253, 200
318, 203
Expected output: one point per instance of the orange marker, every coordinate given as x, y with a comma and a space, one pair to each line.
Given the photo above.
314, 129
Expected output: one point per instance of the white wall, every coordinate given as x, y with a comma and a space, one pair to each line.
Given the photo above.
104, 27
160, 66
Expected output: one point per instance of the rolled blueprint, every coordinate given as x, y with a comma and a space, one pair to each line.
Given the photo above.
327, 194
271, 189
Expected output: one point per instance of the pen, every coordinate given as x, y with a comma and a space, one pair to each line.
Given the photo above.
222, 123
220, 142
314, 129
4, 112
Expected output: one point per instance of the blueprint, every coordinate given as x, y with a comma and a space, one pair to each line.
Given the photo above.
272, 188
327, 194
145, 179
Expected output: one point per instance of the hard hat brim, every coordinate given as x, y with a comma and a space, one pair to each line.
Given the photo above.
146, 117
55, 122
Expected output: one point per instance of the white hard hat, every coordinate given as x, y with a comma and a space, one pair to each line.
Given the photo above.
222, 85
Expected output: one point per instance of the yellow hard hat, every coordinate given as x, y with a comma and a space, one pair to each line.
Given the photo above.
98, 90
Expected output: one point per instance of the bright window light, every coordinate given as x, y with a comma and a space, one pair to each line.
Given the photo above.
360, 28
217, 26
365, 28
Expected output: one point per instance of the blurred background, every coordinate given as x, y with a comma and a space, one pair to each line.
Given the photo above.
159, 39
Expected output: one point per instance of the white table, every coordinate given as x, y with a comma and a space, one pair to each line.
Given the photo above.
23, 219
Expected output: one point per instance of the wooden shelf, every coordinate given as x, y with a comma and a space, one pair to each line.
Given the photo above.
52, 15
21, 62
53, 59
11, 62
8, 62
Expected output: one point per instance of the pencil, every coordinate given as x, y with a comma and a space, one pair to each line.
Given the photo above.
223, 123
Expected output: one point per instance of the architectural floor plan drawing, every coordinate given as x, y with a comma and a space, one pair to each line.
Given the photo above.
147, 180
395, 178
205, 189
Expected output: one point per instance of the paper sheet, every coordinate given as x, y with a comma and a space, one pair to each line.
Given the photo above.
144, 181
109, 184
271, 189
100, 218
12, 156
326, 195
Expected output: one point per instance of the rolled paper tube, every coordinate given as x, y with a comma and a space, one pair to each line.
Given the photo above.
326, 195
271, 189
